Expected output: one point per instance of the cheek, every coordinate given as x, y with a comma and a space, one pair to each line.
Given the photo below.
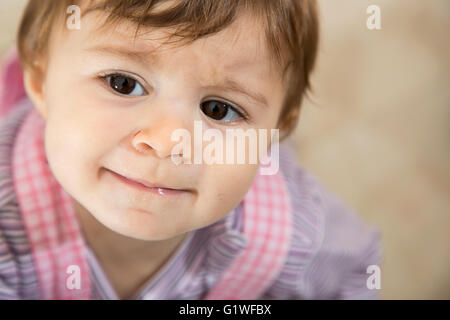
79, 125
74, 105
74, 141
223, 187
66, 150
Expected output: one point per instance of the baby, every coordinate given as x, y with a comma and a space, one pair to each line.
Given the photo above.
98, 200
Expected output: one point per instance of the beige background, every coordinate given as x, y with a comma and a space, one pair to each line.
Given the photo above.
376, 130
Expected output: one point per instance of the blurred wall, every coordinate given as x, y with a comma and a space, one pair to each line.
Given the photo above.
376, 130
10, 11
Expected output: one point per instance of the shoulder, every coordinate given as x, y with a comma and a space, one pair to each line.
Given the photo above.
11, 120
331, 246
17, 277
9, 127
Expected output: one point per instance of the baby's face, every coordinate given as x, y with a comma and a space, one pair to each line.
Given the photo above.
108, 111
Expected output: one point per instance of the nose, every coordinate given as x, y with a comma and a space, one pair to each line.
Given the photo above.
156, 138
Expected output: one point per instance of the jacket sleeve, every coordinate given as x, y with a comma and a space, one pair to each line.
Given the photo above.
348, 261
332, 249
18, 279
7, 267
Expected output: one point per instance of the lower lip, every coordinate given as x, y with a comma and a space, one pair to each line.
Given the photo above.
158, 191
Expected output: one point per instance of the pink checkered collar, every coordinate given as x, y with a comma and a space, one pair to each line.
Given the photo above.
53, 231
58, 245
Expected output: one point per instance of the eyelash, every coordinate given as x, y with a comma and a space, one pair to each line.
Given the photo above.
104, 76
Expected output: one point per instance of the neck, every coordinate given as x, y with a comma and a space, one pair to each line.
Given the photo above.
113, 247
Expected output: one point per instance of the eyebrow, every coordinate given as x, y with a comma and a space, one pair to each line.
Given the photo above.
142, 57
229, 84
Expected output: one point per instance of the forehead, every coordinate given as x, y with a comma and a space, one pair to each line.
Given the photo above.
239, 46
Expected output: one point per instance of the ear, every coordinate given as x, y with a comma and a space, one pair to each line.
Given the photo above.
34, 82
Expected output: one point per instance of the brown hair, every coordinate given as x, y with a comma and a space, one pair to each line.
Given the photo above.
291, 30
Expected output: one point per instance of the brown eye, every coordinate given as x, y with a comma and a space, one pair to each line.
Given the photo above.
220, 111
125, 85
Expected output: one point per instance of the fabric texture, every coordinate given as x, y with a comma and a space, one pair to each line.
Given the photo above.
11, 82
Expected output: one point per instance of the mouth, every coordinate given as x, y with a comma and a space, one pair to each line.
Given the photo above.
149, 187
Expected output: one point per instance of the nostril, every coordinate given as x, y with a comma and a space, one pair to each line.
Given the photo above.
142, 147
